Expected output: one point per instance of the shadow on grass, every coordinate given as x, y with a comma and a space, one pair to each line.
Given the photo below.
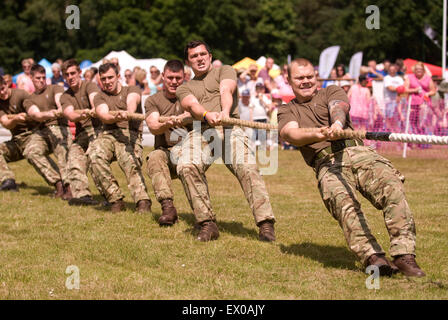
329, 256
190, 220
105, 206
234, 228
39, 190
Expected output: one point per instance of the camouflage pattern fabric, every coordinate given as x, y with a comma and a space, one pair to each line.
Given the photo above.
50, 139
161, 170
12, 151
198, 152
79, 164
21, 146
125, 146
361, 168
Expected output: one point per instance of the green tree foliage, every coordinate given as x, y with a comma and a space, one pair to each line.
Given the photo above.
233, 28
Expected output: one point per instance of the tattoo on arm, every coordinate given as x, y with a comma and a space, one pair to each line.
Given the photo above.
338, 111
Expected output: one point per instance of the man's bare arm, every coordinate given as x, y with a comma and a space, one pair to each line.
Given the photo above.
102, 111
226, 89
57, 100
298, 137
70, 114
132, 100
9, 124
192, 105
156, 127
41, 116
338, 112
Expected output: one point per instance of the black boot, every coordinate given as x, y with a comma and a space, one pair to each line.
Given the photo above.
9, 185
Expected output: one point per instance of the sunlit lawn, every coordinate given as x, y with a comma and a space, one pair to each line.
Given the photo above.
128, 256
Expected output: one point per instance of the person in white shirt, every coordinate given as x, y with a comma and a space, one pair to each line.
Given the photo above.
393, 113
250, 78
260, 104
245, 110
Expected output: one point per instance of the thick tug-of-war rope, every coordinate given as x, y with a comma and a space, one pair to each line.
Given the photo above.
342, 134
230, 121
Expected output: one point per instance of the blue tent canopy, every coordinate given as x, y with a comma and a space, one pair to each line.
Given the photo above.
47, 65
85, 64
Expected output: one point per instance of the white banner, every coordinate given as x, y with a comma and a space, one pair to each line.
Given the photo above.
327, 60
355, 65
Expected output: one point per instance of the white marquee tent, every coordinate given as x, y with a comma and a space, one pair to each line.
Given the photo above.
129, 62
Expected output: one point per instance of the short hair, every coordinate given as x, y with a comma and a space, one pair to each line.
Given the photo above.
88, 71
105, 67
27, 61
418, 64
69, 63
174, 65
399, 62
2, 81
187, 68
139, 75
194, 44
37, 68
362, 78
56, 65
341, 65
394, 65
301, 62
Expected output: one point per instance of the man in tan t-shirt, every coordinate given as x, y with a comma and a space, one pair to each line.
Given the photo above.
53, 134
76, 103
13, 117
161, 163
120, 139
211, 96
344, 166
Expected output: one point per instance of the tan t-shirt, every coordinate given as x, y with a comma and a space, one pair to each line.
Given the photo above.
80, 100
165, 107
45, 101
206, 89
312, 114
118, 102
14, 105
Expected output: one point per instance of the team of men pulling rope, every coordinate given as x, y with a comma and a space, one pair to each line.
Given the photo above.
109, 128
343, 133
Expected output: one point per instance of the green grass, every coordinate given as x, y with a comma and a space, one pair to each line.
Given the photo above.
128, 256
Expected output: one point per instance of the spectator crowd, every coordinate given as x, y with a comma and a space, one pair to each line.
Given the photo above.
379, 98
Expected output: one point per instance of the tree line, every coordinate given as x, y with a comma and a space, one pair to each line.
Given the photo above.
233, 28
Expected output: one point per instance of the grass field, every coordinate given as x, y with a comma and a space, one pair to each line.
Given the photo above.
128, 256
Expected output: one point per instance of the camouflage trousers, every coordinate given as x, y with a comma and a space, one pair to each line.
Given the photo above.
79, 164
361, 168
161, 169
17, 149
126, 147
200, 148
52, 139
